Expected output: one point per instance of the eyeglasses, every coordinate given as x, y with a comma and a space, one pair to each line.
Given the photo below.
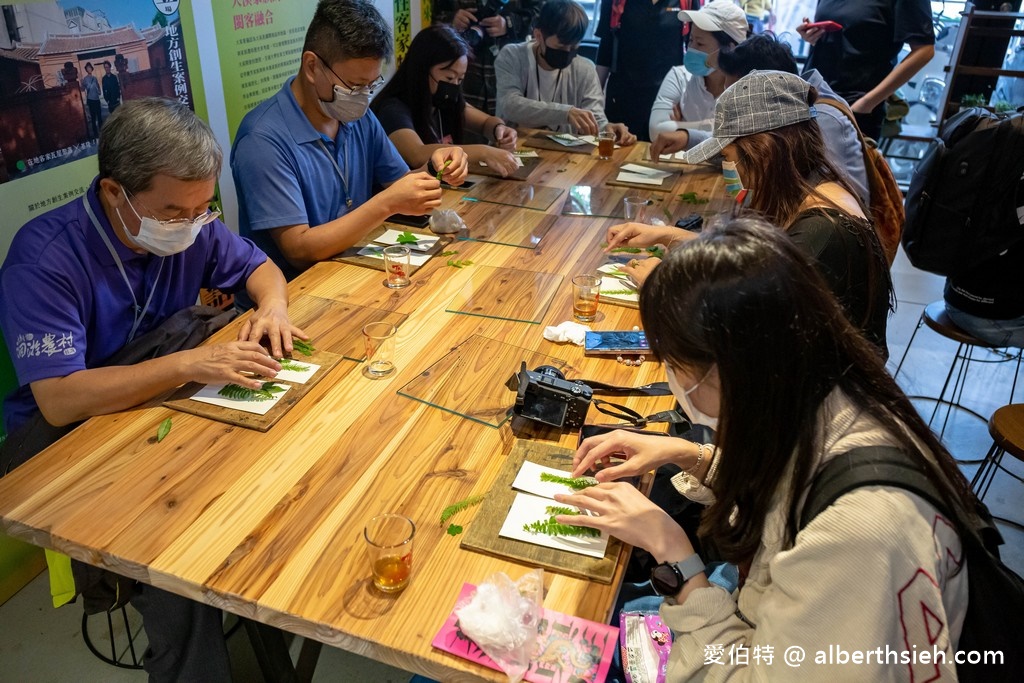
202, 219
353, 90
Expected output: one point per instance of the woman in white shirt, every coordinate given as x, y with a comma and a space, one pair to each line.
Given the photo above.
686, 100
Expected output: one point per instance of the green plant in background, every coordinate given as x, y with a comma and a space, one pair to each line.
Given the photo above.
1003, 107
237, 392
975, 100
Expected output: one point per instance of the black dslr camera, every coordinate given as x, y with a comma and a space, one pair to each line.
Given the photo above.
544, 395
475, 32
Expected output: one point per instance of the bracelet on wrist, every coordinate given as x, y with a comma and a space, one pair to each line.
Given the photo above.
700, 459
494, 130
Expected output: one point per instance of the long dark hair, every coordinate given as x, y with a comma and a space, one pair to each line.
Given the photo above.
744, 298
437, 44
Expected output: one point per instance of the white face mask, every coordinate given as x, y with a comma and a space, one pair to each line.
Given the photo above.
345, 107
683, 396
165, 238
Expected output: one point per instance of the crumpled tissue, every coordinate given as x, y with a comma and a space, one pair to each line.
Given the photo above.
568, 331
503, 619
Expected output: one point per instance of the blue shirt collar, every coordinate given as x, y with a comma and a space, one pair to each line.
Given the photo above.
297, 124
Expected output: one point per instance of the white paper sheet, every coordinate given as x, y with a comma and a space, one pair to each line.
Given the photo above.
527, 509
645, 171
209, 394
528, 480
378, 252
297, 376
423, 242
626, 177
567, 140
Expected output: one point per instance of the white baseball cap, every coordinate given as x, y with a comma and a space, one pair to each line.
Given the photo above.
719, 15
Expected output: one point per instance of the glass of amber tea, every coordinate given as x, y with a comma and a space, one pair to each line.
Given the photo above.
586, 291
389, 547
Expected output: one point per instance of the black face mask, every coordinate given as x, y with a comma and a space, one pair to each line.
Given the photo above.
446, 96
558, 59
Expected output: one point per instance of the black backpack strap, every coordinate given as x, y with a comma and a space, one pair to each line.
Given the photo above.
868, 466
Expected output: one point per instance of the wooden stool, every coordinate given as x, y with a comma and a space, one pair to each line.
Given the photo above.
1007, 430
935, 317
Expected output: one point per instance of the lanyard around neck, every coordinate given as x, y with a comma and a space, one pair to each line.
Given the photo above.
139, 313
343, 176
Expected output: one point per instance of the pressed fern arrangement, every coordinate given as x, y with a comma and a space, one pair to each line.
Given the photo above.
576, 484
549, 527
237, 392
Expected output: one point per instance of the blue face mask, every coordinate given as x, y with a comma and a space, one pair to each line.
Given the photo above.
696, 62
733, 184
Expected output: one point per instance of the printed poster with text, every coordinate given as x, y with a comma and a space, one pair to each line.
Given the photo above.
65, 66
259, 43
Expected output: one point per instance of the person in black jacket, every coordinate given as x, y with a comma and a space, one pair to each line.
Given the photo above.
488, 26
111, 89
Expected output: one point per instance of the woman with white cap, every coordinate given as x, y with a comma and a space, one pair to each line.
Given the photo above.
686, 100
771, 145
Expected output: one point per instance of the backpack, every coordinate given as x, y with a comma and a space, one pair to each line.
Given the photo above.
887, 213
962, 206
995, 603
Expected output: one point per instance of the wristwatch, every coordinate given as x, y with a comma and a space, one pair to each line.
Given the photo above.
668, 578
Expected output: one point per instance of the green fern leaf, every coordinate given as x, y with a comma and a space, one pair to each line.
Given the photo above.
549, 527
455, 508
239, 393
304, 347
289, 364
576, 484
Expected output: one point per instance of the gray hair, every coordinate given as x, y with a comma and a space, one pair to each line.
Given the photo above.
152, 136
348, 29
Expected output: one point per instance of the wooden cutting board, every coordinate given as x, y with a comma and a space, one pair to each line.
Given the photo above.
482, 533
180, 399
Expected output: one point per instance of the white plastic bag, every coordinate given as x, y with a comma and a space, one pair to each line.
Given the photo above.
503, 619
445, 221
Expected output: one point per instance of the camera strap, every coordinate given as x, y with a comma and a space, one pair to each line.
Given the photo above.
652, 389
621, 412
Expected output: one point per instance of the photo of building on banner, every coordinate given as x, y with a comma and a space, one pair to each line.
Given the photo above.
66, 65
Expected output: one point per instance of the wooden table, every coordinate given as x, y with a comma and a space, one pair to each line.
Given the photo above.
269, 525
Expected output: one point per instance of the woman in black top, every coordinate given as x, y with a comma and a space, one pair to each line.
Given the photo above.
859, 61
422, 107
793, 184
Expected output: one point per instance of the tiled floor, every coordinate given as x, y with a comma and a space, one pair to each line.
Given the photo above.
40, 643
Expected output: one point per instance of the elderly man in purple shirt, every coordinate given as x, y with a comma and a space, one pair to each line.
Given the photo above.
84, 280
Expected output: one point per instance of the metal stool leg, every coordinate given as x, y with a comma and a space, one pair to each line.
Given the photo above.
985, 473
920, 322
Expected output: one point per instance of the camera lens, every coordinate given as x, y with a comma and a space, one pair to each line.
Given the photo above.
550, 371
472, 36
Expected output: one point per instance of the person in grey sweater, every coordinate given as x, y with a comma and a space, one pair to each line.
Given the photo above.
543, 83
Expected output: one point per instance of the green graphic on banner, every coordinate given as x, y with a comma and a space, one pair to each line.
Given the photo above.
259, 43
403, 29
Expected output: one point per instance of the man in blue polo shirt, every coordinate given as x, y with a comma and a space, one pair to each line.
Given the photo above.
84, 280
306, 161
